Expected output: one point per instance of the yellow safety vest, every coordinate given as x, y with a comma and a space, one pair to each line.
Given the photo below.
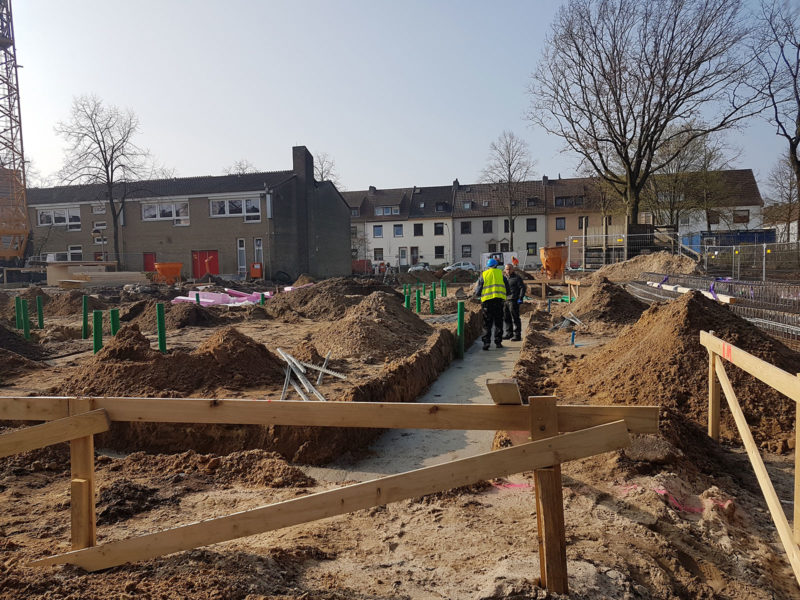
493, 285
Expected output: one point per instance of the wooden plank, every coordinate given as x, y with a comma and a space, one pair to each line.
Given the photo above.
797, 475
549, 501
377, 492
504, 391
80, 499
54, 432
23, 408
81, 456
773, 503
713, 399
784, 382
640, 419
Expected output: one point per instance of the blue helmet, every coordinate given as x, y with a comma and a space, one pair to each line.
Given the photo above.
491, 263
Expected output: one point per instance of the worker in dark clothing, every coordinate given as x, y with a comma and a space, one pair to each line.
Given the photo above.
516, 294
492, 289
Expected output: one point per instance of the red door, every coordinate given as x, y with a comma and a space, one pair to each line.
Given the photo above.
203, 262
149, 259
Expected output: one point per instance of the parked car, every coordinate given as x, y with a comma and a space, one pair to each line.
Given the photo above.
464, 265
420, 266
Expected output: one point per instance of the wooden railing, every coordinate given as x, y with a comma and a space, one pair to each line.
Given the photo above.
584, 431
786, 383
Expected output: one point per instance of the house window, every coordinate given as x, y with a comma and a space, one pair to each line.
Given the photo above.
98, 209
561, 243
559, 201
561, 223
398, 231
438, 229
531, 202
531, 248
99, 225
99, 240
503, 246
241, 256
395, 210
353, 232
646, 218
377, 254
70, 217
438, 251
45, 217
583, 222
417, 229
487, 227
177, 212
234, 207
530, 224
441, 206
377, 231
713, 217
422, 205
505, 225
378, 211
466, 226
684, 220
354, 212
252, 210
466, 251
387, 210
492, 248
741, 216
74, 253
258, 251
578, 200
485, 203
467, 205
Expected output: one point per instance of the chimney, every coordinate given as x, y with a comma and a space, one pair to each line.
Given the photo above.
544, 180
372, 190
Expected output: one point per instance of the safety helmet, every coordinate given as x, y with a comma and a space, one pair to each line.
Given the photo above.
491, 263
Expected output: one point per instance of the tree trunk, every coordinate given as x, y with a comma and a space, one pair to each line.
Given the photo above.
115, 226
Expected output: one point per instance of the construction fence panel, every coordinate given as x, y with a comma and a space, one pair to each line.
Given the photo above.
593, 251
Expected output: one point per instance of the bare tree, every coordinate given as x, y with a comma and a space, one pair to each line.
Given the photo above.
241, 167
325, 170
100, 150
705, 189
509, 165
778, 54
616, 74
665, 195
783, 201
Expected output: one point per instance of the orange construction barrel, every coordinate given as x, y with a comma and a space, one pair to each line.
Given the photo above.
256, 270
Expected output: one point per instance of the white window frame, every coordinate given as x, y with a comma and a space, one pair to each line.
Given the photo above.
99, 209
65, 215
395, 210
241, 256
375, 228
394, 230
167, 211
252, 216
258, 251
466, 251
99, 240
375, 254
72, 249
99, 225
438, 255
241, 212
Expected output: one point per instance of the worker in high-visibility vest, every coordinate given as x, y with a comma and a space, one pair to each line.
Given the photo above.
492, 289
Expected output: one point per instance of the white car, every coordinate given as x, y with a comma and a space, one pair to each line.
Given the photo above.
464, 265
420, 266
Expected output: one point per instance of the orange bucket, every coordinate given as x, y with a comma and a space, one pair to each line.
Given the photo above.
168, 273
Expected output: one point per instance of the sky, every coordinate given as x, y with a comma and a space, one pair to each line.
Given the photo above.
397, 93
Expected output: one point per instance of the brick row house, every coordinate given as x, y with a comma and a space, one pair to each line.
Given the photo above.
283, 220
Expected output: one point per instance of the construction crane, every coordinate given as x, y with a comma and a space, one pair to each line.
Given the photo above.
14, 226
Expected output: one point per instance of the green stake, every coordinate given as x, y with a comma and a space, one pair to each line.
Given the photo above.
407, 300
97, 330
40, 312
432, 298
18, 311
262, 298
161, 328
419, 302
444, 288
433, 289
460, 331
114, 321
197, 298
85, 328
423, 288
26, 324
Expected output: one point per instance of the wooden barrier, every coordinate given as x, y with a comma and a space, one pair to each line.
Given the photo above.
54, 432
785, 383
573, 285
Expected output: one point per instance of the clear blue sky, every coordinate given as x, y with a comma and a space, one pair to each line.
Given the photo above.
398, 93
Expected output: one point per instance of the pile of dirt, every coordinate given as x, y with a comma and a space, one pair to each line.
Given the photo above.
460, 276
607, 302
376, 329
659, 262
128, 366
70, 304
417, 276
324, 301
253, 468
660, 361
176, 316
13, 364
14, 342
446, 305
305, 351
123, 499
304, 279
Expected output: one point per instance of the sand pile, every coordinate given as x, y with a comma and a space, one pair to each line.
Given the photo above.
128, 366
16, 343
415, 276
376, 329
325, 301
443, 306
176, 316
13, 364
607, 302
659, 361
304, 279
659, 262
70, 304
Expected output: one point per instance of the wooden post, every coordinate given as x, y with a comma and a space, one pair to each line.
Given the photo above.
549, 501
81, 455
544, 290
713, 398
797, 474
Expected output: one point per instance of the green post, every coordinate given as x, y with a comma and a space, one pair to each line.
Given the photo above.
419, 302
423, 288
407, 300
432, 298
460, 331
433, 289
85, 327
161, 328
114, 321
444, 288
18, 312
26, 324
97, 330
262, 299
40, 312
197, 298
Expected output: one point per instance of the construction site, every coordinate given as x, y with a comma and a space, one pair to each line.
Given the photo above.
336, 441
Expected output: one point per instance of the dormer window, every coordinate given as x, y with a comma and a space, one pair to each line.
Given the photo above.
485, 203
467, 205
395, 210
441, 207
422, 205
353, 212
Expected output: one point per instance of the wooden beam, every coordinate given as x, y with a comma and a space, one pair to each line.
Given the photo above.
392, 415
784, 382
504, 391
713, 398
82, 504
23, 408
773, 503
797, 475
350, 498
549, 501
54, 432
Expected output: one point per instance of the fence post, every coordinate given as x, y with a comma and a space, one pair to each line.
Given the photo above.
549, 501
713, 397
797, 476
763, 262
81, 452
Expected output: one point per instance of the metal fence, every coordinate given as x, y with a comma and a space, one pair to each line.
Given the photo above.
590, 252
754, 261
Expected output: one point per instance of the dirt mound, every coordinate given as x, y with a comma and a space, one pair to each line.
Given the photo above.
305, 351
176, 316
417, 276
12, 364
659, 361
14, 342
304, 279
128, 366
256, 468
659, 262
123, 499
71, 303
607, 302
376, 329
326, 301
